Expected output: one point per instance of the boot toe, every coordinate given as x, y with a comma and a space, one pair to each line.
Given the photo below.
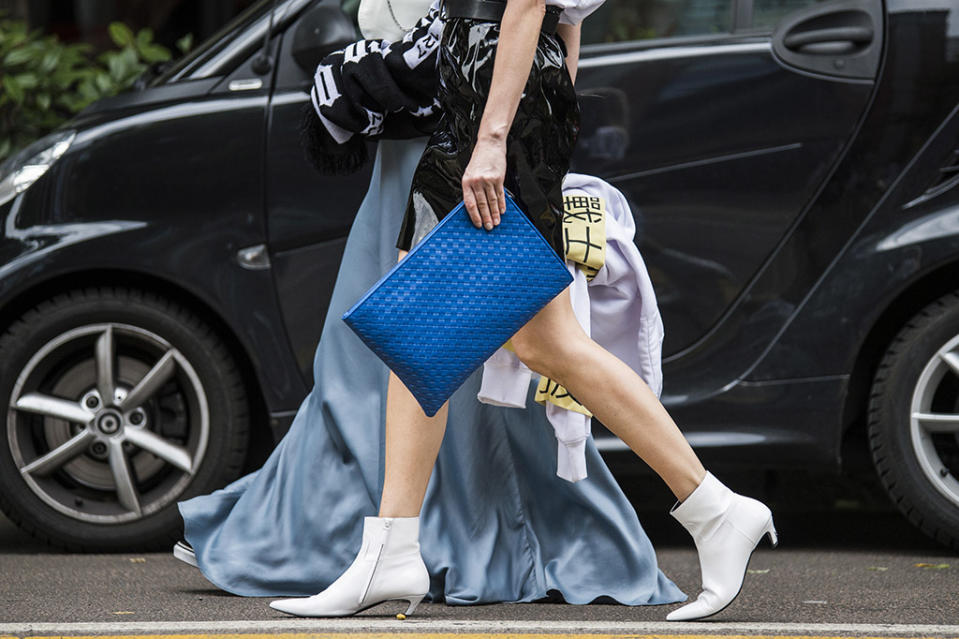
288, 606
315, 606
684, 613
698, 609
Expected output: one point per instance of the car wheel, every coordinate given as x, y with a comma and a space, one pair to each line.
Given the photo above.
914, 420
119, 403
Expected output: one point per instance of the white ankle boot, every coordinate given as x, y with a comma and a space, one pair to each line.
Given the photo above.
726, 528
388, 566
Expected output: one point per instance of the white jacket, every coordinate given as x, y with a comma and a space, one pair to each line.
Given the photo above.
617, 309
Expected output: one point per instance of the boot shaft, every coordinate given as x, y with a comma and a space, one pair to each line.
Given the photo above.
390, 536
704, 507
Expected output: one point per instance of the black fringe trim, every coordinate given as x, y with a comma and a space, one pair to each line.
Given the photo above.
325, 154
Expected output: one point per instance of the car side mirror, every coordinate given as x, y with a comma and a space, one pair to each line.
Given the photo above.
322, 30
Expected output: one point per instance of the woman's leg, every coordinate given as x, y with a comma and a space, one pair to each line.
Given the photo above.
554, 344
412, 443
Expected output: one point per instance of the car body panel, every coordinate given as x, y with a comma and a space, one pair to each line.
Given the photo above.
906, 239
904, 234
725, 147
308, 215
94, 210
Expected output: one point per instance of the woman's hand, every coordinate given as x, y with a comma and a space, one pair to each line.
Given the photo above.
483, 179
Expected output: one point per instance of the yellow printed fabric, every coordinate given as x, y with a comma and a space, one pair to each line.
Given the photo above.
550, 391
584, 238
584, 232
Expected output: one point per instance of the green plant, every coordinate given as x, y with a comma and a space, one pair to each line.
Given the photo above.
43, 81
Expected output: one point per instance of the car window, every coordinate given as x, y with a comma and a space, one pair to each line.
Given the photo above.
626, 20
767, 13
234, 41
216, 42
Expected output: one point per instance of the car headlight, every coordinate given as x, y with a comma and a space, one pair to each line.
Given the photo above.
24, 168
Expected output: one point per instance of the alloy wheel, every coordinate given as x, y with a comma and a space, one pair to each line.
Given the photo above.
108, 423
934, 420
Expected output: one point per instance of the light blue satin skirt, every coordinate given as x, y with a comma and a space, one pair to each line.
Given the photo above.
497, 525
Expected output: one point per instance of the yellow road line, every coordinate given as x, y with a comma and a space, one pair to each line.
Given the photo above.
445, 635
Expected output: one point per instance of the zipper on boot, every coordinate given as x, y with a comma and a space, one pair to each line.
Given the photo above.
379, 551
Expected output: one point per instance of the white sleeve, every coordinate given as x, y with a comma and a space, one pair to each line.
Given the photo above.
578, 11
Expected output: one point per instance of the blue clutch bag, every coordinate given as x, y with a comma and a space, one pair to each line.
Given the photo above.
455, 298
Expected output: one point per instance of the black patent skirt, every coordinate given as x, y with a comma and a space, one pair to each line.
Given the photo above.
538, 147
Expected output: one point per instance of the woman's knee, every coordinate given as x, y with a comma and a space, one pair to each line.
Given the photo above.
553, 340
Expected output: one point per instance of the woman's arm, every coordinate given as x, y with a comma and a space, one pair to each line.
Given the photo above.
570, 35
483, 179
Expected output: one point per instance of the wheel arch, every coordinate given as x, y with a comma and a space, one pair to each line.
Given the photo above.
911, 299
261, 441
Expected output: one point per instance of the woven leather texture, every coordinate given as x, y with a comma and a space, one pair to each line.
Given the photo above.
455, 298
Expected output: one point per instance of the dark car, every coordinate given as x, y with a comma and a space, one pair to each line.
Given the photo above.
166, 259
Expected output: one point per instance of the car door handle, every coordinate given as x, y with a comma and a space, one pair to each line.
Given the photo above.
856, 35
838, 39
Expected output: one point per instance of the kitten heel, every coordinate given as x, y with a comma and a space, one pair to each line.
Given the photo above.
770, 530
414, 602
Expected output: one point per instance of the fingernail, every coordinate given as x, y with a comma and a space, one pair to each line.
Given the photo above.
489, 227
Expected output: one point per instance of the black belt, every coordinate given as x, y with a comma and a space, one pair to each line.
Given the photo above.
492, 11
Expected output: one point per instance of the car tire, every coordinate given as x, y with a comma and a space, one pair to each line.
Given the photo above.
86, 474
913, 405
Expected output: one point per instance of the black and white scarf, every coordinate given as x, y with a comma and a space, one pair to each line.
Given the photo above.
373, 89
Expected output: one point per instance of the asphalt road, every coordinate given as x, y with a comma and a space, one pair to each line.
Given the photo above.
845, 565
